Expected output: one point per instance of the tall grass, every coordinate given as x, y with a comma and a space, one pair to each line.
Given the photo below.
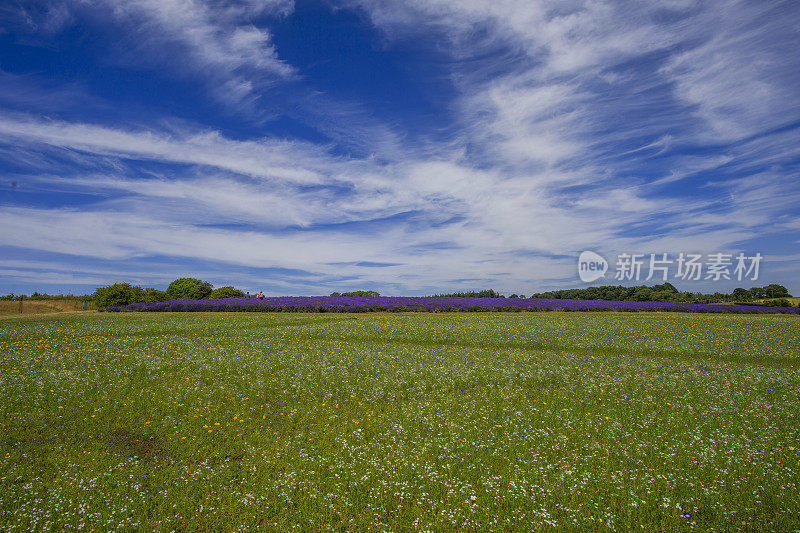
12, 307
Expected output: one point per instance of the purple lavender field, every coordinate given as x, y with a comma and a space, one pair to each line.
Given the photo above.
357, 304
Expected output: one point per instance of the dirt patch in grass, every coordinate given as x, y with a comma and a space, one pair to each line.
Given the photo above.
142, 445
218, 460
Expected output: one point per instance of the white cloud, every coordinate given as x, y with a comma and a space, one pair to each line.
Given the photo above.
741, 80
727, 64
484, 213
222, 43
221, 38
265, 159
564, 37
528, 122
560, 146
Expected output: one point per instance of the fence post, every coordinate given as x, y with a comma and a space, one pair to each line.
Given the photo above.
21, 297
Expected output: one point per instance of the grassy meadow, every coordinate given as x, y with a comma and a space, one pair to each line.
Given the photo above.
400, 422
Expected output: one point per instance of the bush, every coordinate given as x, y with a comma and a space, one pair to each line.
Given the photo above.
357, 293
154, 295
226, 292
117, 294
776, 291
643, 294
780, 302
189, 289
488, 293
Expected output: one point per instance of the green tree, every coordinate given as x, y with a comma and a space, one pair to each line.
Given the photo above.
776, 291
226, 292
154, 295
757, 292
361, 293
643, 294
189, 289
117, 294
663, 296
741, 294
488, 293
665, 287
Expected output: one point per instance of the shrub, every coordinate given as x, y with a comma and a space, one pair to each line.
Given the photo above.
488, 293
154, 295
776, 291
780, 302
357, 293
189, 289
117, 294
226, 292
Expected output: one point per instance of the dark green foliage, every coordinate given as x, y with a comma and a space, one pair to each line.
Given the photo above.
757, 292
189, 289
776, 291
117, 294
226, 292
361, 293
125, 293
37, 296
642, 294
666, 287
665, 292
154, 295
488, 293
605, 292
741, 294
357, 293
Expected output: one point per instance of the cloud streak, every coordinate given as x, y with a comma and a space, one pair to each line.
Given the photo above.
581, 125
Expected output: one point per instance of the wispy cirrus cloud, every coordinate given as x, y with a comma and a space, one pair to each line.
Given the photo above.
730, 74
483, 213
221, 41
226, 44
266, 158
581, 125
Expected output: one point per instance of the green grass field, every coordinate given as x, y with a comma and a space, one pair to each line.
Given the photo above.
400, 422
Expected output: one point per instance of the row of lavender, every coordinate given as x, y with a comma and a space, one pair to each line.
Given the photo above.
352, 304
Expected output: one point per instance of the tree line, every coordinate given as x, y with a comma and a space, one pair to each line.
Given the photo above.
45, 296
180, 289
667, 292
356, 293
195, 289
773, 294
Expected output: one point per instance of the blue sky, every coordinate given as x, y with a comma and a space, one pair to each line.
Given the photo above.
409, 147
